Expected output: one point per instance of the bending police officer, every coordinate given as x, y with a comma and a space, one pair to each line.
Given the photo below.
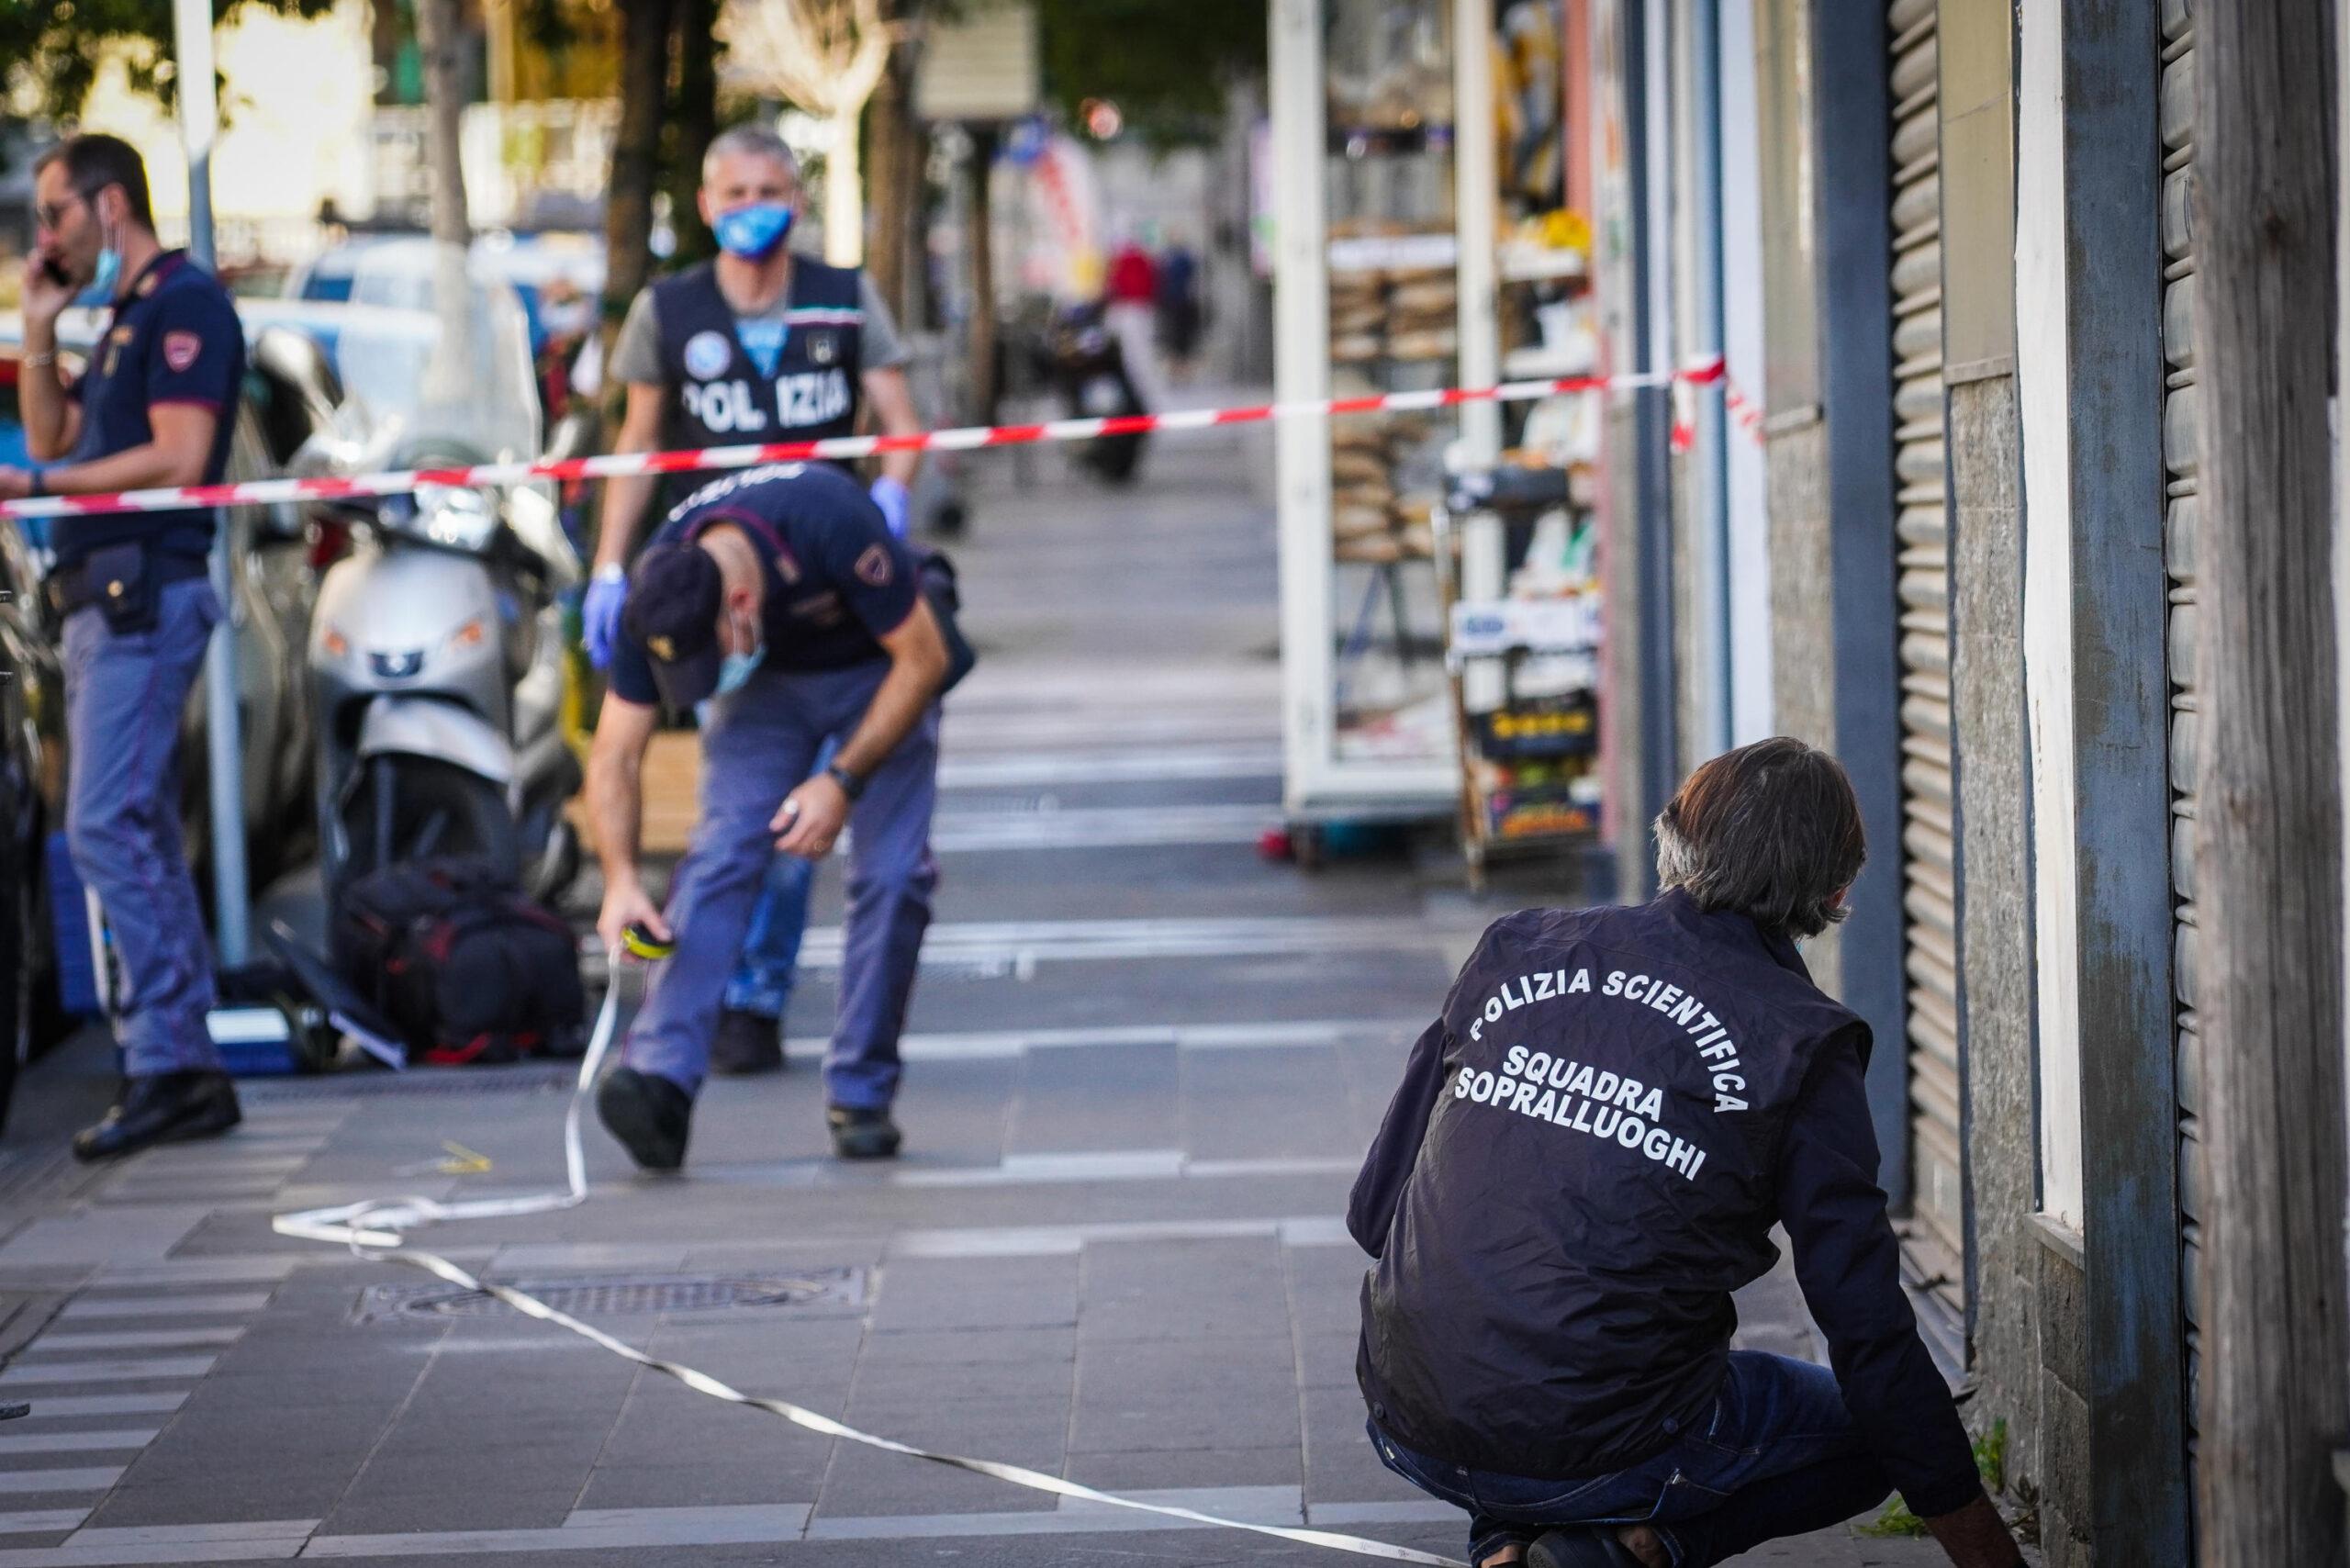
154, 407
759, 345
778, 597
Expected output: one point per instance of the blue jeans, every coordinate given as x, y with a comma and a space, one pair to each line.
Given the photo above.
770, 962
124, 694
1779, 1456
757, 745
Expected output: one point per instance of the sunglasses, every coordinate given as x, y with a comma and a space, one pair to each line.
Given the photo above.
50, 215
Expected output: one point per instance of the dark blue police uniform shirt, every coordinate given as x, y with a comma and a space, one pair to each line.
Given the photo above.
838, 581
174, 338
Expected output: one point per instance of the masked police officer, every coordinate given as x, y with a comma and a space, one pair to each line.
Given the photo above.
1587, 1157
778, 597
757, 345
153, 408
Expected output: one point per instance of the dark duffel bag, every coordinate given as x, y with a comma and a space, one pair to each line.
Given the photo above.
461, 962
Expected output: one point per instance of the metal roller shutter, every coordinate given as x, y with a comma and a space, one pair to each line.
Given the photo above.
1929, 917
2181, 526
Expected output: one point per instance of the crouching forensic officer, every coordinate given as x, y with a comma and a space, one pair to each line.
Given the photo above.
154, 407
780, 598
1586, 1158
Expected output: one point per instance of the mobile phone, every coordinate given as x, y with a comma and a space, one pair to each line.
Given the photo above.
51, 270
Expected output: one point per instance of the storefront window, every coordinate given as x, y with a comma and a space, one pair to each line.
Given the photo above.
1393, 327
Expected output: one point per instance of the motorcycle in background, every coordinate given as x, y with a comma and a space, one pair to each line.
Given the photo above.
1082, 360
436, 651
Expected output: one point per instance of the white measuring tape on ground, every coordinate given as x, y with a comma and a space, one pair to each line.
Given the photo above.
376, 1228
970, 438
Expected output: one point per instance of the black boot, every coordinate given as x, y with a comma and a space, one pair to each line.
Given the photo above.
1585, 1546
648, 1114
746, 1043
863, 1133
162, 1107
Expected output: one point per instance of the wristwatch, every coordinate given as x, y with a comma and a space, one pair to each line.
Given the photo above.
851, 785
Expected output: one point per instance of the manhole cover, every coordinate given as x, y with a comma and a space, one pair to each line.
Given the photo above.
591, 1295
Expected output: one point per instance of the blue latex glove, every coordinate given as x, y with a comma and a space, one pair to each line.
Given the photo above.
600, 615
895, 504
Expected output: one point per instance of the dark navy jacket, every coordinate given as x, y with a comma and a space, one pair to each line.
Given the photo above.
1584, 1160
173, 337
722, 395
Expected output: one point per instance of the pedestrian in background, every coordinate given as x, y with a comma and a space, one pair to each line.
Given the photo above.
759, 345
153, 408
1130, 293
780, 600
1178, 310
1586, 1157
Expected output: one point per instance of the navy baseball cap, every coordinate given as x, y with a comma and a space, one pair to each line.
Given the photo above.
672, 613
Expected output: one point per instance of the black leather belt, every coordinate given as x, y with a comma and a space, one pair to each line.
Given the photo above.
74, 586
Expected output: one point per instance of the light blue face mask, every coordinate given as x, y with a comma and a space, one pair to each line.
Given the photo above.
753, 232
735, 669
102, 281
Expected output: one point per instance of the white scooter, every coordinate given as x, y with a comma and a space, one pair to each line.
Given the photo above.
437, 663
436, 647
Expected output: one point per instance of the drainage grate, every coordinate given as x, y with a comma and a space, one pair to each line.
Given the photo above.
589, 1296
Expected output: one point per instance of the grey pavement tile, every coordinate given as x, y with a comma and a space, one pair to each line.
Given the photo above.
453, 1505
1183, 1290
1239, 1103
1095, 1097
880, 1380
959, 1348
117, 1238
1221, 1465
977, 1293
726, 1481
221, 1498
866, 1484
1326, 1360
1340, 1464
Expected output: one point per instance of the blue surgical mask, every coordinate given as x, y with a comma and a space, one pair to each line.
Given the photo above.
735, 669
102, 281
753, 232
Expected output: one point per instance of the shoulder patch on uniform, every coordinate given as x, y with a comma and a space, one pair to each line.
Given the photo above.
873, 567
708, 355
181, 348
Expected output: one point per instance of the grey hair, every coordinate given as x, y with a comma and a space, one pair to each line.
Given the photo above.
757, 140
1772, 831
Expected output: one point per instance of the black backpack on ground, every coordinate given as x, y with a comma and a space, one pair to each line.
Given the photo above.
461, 962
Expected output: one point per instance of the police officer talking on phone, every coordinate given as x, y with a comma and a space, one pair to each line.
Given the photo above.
759, 345
778, 602
153, 408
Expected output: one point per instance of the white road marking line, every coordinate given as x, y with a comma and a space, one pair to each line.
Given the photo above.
166, 1306
137, 1339
1095, 766
23, 1375
1021, 943
1100, 828
95, 1478
78, 1443
48, 1407
1271, 1035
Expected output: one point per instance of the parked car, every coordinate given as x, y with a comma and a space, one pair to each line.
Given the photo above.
288, 394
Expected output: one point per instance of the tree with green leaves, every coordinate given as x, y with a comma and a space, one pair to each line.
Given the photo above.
1166, 65
53, 48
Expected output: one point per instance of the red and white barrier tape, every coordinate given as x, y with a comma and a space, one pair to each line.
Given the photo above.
266, 492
